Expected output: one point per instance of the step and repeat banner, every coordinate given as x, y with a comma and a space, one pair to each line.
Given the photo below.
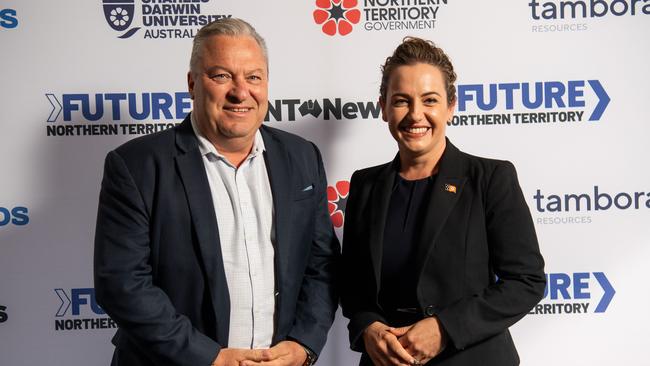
560, 88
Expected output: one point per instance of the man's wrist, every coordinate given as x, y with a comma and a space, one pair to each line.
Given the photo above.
311, 356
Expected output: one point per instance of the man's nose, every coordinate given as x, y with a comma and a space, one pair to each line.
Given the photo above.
239, 90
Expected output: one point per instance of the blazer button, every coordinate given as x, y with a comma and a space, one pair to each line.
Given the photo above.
429, 310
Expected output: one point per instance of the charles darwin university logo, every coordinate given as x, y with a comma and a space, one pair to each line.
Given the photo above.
119, 15
336, 16
337, 198
159, 19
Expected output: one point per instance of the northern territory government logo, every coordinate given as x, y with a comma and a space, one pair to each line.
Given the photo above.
341, 17
337, 199
159, 19
575, 293
530, 103
78, 310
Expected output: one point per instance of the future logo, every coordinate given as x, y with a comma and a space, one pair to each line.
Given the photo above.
530, 103
337, 199
16, 216
104, 109
8, 18
573, 293
119, 14
75, 305
337, 16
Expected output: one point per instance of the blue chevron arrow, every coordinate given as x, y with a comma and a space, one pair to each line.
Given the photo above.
65, 302
608, 292
603, 100
55, 107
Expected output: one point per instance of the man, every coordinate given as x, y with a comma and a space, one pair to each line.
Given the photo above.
213, 243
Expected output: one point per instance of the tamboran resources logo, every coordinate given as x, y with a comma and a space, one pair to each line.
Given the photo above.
131, 113
78, 310
576, 208
575, 293
530, 103
343, 16
571, 16
337, 199
158, 19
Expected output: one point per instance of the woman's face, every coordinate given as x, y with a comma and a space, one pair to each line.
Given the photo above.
416, 110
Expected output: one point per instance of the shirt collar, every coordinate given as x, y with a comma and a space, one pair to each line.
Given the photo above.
207, 148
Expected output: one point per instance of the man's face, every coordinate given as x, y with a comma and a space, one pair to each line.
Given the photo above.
230, 90
416, 109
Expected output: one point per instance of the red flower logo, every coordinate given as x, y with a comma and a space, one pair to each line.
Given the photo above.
337, 16
337, 198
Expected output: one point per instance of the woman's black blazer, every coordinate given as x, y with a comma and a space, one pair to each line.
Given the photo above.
479, 264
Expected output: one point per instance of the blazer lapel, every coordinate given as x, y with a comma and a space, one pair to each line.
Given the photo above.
380, 198
197, 190
447, 188
279, 171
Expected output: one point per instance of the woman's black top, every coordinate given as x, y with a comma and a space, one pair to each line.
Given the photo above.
404, 222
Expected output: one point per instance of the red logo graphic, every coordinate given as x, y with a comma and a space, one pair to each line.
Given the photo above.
337, 198
337, 16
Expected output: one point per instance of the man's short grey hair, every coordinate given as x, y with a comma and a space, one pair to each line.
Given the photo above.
233, 27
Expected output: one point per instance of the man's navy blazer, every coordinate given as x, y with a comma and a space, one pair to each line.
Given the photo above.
158, 267
478, 260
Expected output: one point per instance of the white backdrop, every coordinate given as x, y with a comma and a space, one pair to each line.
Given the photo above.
72, 89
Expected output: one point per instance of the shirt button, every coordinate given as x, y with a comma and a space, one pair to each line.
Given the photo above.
429, 310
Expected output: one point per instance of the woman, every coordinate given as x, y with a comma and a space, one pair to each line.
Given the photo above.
439, 249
